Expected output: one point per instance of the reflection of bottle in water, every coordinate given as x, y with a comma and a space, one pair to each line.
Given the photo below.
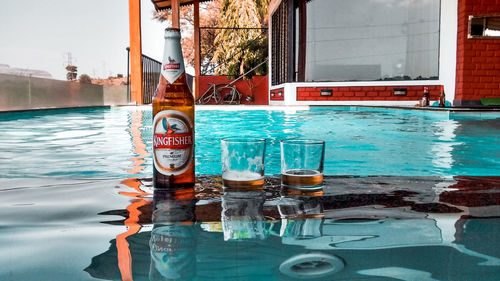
242, 215
173, 238
242, 180
173, 252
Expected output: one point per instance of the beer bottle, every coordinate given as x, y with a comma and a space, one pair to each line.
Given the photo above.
442, 97
173, 120
426, 97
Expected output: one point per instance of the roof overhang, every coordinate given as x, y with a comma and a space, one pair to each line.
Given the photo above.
167, 4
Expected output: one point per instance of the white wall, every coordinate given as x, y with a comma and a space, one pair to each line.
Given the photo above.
447, 68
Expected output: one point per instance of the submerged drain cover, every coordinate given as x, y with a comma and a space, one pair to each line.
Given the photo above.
311, 265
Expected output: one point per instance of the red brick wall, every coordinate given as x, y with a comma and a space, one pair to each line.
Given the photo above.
277, 94
378, 93
478, 60
260, 90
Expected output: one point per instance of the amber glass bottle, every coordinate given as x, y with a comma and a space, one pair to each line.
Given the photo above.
173, 121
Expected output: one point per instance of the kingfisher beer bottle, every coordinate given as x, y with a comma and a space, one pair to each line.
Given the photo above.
173, 120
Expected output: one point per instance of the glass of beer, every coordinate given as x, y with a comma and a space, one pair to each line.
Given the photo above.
243, 163
302, 163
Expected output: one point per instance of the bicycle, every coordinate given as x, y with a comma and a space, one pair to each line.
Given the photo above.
222, 93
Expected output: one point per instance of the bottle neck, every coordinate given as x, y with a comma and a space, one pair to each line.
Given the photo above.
173, 63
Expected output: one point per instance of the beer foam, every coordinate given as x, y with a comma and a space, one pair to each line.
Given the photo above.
241, 176
302, 172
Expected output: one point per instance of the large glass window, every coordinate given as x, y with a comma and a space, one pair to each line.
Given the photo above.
367, 40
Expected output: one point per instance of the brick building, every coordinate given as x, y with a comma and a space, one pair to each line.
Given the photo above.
384, 52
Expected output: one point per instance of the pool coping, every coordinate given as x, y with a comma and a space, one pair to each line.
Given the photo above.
54, 108
308, 107
286, 108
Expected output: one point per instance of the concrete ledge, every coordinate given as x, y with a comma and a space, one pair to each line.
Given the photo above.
467, 103
31, 93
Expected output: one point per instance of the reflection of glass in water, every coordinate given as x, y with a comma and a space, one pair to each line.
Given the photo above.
301, 217
242, 215
300, 207
302, 177
303, 228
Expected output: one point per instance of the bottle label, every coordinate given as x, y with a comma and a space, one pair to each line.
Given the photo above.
172, 142
173, 63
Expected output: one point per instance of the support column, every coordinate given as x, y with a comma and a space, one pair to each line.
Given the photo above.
290, 44
302, 41
196, 7
175, 4
134, 7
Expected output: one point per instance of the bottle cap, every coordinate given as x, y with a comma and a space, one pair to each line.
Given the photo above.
172, 32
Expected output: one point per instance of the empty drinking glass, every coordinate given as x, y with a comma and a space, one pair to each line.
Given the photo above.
243, 162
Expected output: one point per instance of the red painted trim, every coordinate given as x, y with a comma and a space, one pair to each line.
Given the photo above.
368, 93
277, 94
478, 60
259, 84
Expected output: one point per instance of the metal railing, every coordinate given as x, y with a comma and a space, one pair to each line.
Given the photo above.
151, 70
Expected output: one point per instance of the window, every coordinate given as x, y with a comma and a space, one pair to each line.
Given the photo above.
370, 40
279, 44
484, 26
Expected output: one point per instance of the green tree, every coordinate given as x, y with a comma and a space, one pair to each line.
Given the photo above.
85, 79
225, 51
239, 50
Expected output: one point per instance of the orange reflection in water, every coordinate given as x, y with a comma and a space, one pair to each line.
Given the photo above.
133, 225
138, 142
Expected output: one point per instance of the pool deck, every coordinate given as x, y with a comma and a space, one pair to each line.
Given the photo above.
341, 196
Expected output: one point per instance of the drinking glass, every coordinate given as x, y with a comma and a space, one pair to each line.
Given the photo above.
243, 162
302, 163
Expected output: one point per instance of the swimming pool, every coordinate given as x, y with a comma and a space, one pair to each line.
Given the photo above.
78, 203
117, 142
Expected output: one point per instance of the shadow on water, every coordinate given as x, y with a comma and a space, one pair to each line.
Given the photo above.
355, 228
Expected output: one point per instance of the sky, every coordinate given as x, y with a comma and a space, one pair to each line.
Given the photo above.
39, 35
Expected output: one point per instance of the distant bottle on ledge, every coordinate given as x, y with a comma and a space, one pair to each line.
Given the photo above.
425, 97
442, 97
173, 120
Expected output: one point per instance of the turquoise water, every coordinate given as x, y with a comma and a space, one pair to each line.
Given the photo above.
117, 142
369, 228
74, 205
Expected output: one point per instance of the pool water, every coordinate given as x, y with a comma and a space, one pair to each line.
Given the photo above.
366, 228
408, 195
117, 142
